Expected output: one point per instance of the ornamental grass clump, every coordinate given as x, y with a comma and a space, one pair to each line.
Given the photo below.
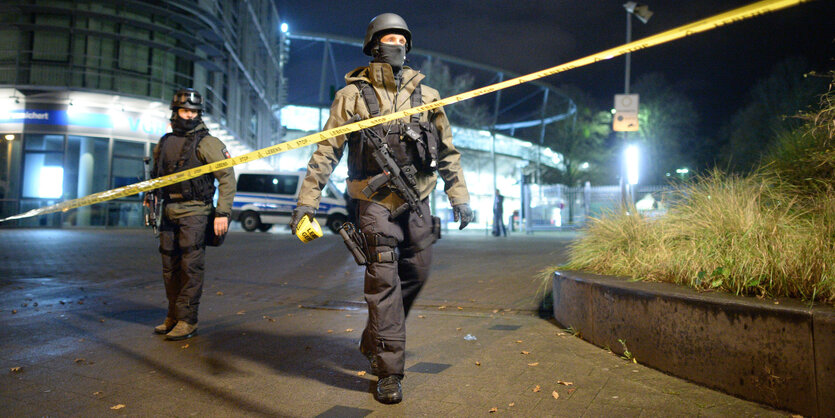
745, 235
770, 233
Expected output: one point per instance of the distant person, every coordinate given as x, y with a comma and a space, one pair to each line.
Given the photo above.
398, 239
498, 216
187, 206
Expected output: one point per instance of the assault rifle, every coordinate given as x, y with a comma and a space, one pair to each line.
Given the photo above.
400, 180
151, 204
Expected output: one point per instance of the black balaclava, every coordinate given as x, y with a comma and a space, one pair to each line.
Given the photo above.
181, 126
394, 55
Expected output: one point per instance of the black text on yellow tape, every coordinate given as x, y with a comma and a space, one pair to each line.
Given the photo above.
732, 16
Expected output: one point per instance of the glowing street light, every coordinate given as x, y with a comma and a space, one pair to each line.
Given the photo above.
632, 161
284, 28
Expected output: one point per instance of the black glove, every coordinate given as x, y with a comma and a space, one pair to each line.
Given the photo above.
463, 213
298, 213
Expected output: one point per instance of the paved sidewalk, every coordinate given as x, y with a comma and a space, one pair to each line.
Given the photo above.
279, 325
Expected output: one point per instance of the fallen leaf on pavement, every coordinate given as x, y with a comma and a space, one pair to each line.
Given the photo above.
268, 318
494, 409
518, 341
349, 330
184, 347
79, 360
240, 312
421, 316
512, 404
533, 364
441, 307
560, 334
361, 373
15, 369
220, 293
330, 331
526, 352
570, 391
536, 388
460, 308
120, 406
478, 363
555, 395
495, 311
564, 383
458, 329
634, 360
98, 393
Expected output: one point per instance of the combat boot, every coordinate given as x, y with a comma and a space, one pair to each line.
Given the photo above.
166, 326
181, 331
389, 390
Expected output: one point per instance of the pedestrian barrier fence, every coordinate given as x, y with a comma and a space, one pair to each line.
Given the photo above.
722, 19
552, 207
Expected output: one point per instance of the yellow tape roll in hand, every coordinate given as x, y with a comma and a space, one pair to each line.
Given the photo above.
308, 229
732, 16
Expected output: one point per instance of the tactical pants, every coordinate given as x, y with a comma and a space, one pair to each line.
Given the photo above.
182, 245
391, 287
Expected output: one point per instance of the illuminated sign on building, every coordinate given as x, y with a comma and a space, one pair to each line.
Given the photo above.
121, 121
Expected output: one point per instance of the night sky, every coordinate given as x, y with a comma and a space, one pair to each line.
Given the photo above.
716, 69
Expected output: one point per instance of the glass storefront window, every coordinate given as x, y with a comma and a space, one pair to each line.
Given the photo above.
86, 166
128, 149
44, 142
43, 175
127, 171
128, 168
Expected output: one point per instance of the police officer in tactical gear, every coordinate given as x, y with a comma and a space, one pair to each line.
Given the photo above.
397, 234
187, 210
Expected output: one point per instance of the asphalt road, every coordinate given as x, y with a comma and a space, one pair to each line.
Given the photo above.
279, 324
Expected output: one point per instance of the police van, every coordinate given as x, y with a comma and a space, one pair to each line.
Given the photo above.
265, 198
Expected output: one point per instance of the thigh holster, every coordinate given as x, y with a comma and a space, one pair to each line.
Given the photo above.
377, 242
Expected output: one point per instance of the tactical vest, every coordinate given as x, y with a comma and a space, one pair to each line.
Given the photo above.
414, 143
172, 161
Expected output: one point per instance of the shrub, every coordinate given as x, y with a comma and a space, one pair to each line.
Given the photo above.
770, 233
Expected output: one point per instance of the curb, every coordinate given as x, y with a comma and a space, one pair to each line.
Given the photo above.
782, 355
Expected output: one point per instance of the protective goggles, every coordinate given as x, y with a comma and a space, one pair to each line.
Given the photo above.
185, 98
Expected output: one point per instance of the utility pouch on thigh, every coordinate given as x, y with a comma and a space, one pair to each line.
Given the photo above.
355, 241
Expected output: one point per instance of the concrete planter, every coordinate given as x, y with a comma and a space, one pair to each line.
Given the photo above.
781, 354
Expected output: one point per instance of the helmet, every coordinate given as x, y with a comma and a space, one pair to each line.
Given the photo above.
386, 22
187, 99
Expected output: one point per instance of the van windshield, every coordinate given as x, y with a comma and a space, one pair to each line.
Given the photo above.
268, 183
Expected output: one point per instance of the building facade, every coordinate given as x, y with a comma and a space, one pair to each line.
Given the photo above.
85, 87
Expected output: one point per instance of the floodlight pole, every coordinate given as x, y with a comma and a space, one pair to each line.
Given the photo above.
643, 14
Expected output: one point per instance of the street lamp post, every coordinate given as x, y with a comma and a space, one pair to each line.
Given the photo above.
642, 13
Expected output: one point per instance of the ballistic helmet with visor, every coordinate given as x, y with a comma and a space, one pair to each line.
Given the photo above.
187, 99
385, 23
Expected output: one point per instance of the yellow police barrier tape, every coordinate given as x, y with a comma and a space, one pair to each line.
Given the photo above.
732, 16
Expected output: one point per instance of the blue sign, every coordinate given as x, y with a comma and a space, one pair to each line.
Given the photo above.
138, 124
